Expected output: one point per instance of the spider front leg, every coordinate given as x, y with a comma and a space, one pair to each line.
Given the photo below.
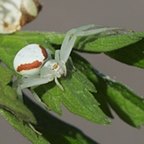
72, 35
16, 86
58, 84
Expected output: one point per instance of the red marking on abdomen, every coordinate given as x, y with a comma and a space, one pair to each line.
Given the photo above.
29, 66
44, 52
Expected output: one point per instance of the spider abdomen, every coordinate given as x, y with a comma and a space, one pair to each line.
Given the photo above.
29, 60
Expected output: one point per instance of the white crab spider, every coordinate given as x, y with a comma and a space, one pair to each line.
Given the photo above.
49, 69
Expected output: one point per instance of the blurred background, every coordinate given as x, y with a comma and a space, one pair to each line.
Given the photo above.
62, 15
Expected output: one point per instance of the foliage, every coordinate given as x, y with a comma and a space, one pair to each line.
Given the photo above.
87, 92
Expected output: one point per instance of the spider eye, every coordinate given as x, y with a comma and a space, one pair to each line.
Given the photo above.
29, 59
55, 66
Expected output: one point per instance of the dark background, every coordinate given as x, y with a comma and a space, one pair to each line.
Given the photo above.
62, 15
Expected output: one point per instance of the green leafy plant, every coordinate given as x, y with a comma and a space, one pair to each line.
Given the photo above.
87, 92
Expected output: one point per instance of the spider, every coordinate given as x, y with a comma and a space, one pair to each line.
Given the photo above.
37, 67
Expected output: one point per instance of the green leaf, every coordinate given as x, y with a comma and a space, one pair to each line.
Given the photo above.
128, 105
10, 44
107, 42
52, 129
79, 95
104, 42
80, 101
57, 131
8, 98
24, 129
132, 54
85, 67
76, 97
9, 102
48, 37
6, 75
16, 113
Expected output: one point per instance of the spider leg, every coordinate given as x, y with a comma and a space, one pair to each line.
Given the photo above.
29, 82
36, 97
46, 70
67, 46
33, 128
65, 54
16, 85
68, 36
82, 28
58, 84
38, 100
19, 93
95, 31
57, 55
71, 63
34, 81
64, 69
